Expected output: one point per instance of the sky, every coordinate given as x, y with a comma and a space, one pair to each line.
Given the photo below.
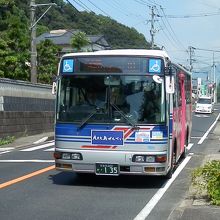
179, 24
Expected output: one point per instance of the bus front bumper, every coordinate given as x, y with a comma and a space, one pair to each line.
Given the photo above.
112, 162
123, 169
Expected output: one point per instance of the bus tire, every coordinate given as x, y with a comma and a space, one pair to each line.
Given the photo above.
170, 173
173, 161
184, 154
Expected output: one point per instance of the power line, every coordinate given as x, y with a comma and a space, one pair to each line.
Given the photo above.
115, 5
170, 40
195, 48
84, 5
194, 15
152, 2
81, 5
99, 8
161, 8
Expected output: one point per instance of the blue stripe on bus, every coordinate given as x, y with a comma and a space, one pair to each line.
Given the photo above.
126, 142
133, 142
88, 138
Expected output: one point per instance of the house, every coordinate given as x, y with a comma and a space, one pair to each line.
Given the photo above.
63, 37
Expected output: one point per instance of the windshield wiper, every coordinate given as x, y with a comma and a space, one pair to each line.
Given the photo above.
124, 116
97, 110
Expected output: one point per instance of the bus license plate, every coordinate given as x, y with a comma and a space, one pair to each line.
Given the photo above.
107, 169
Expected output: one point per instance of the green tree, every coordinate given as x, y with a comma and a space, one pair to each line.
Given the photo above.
47, 61
79, 40
14, 43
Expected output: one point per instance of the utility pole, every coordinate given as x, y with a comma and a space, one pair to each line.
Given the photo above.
33, 36
152, 30
214, 79
33, 44
190, 58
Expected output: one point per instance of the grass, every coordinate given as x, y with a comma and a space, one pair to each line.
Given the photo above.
6, 140
206, 180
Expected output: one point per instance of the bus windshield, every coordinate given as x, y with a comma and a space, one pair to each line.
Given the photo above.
110, 99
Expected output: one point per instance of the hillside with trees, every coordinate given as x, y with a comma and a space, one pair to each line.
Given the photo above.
15, 35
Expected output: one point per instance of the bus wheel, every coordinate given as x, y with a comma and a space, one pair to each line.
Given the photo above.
184, 154
172, 168
169, 174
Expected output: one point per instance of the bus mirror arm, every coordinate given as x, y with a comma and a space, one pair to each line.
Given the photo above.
54, 85
169, 80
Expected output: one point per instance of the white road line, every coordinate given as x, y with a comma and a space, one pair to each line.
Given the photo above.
41, 140
196, 137
202, 116
156, 198
50, 149
207, 132
5, 152
189, 146
38, 147
26, 161
6, 148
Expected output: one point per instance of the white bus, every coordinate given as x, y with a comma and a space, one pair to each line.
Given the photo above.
121, 112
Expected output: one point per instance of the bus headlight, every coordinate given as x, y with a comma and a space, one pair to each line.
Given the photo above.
149, 158
138, 158
143, 159
76, 156
71, 156
66, 156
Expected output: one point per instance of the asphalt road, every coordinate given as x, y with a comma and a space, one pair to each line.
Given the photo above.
50, 194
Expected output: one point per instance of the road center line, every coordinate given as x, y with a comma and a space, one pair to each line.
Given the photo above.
28, 176
207, 132
156, 198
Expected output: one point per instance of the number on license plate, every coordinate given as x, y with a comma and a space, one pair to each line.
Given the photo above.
106, 169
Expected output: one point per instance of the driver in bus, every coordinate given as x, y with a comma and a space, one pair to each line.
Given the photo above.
151, 104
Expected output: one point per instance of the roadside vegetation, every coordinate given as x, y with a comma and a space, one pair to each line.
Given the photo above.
15, 36
206, 181
6, 140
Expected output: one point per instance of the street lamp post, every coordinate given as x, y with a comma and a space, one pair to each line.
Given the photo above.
33, 36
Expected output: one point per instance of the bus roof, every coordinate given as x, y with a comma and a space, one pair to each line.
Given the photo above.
123, 52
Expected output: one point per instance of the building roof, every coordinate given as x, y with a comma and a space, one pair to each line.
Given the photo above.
63, 37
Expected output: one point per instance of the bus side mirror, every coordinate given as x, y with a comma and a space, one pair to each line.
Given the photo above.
169, 80
54, 85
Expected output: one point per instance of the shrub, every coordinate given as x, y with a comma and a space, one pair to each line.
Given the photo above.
6, 140
207, 178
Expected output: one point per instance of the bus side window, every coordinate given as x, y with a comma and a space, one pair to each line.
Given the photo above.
176, 87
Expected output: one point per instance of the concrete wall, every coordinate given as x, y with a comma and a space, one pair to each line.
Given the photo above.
20, 124
25, 108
